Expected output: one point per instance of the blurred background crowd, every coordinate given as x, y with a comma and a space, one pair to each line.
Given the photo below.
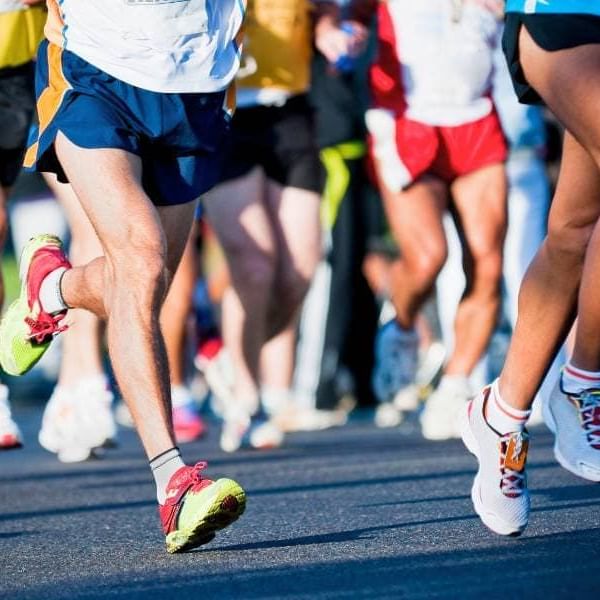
380, 280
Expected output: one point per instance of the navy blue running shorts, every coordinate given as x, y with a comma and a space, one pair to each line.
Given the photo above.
179, 137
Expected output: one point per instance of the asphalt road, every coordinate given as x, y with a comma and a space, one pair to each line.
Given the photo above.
349, 513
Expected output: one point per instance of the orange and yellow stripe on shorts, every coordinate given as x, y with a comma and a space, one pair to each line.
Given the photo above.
50, 99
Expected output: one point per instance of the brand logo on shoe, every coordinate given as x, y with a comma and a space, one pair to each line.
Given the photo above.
516, 453
171, 493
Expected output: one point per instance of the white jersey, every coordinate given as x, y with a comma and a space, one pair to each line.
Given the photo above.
444, 54
158, 45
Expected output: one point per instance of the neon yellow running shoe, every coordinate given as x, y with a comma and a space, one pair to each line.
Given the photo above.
197, 507
26, 329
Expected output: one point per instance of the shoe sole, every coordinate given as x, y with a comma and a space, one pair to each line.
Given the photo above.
489, 519
225, 505
577, 469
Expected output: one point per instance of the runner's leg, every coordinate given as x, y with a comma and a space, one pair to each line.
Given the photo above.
480, 201
142, 245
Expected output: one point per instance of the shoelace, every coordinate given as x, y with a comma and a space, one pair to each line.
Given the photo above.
196, 471
512, 483
44, 325
589, 410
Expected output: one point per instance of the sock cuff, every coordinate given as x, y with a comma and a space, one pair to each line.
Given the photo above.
164, 457
509, 411
573, 371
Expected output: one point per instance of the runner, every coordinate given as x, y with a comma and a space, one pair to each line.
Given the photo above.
134, 114
437, 145
553, 52
20, 33
266, 211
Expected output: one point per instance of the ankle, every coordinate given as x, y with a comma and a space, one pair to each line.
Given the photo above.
51, 297
163, 467
575, 380
502, 416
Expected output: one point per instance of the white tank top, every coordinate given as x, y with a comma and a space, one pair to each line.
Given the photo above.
159, 45
445, 53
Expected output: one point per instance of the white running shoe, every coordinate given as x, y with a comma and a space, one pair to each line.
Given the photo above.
387, 415
10, 434
499, 491
241, 431
438, 419
61, 432
213, 361
575, 421
94, 407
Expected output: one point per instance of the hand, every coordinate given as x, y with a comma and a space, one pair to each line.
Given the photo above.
333, 42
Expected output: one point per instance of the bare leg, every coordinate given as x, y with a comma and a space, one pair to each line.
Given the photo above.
480, 201
142, 246
568, 82
415, 217
237, 213
176, 311
4, 193
81, 350
295, 221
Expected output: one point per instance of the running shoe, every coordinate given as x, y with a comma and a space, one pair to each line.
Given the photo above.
187, 423
396, 359
387, 415
26, 330
197, 507
439, 416
575, 421
10, 434
242, 432
499, 491
212, 360
94, 407
62, 431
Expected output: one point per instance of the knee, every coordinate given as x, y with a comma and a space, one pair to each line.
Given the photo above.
140, 268
252, 272
567, 242
425, 268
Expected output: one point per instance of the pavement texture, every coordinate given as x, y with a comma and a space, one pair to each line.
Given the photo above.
350, 513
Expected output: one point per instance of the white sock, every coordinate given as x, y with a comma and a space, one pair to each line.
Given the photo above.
50, 295
576, 380
180, 396
163, 468
503, 417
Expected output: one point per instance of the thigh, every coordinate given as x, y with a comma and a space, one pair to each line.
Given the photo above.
415, 217
108, 185
479, 200
569, 83
237, 212
295, 218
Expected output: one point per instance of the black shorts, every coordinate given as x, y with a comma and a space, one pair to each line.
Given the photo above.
279, 139
17, 101
550, 32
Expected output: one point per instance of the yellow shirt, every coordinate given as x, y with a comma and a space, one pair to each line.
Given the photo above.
21, 30
277, 45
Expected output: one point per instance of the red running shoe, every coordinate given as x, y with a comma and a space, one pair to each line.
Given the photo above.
197, 507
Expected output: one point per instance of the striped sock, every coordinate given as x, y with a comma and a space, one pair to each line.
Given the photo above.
503, 417
576, 380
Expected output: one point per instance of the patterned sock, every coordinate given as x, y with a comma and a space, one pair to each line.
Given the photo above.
163, 467
576, 380
502, 416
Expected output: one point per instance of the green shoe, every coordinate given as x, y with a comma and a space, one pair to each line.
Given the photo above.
196, 508
26, 330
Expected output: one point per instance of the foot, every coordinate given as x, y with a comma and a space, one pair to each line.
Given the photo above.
10, 434
575, 421
387, 415
499, 492
197, 507
396, 357
62, 432
26, 330
187, 423
258, 432
438, 419
212, 360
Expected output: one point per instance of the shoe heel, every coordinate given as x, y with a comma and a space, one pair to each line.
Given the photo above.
464, 427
